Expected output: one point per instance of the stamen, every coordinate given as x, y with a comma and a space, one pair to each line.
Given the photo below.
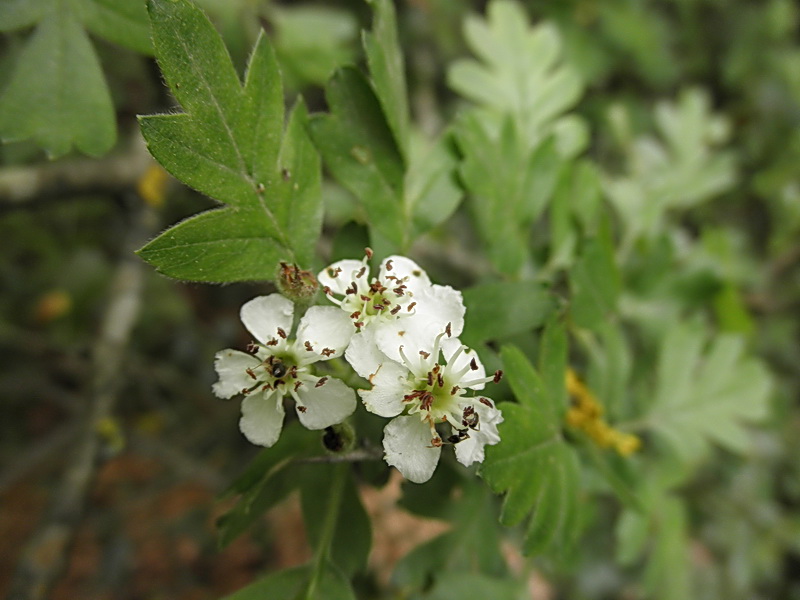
368, 252
281, 333
307, 346
411, 306
361, 272
486, 401
395, 310
498, 375
388, 265
321, 382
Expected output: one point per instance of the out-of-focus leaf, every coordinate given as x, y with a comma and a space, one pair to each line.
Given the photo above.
16, 14
290, 584
520, 73
707, 392
312, 42
595, 283
359, 149
683, 171
352, 536
471, 545
532, 465
502, 309
266, 481
230, 145
57, 95
451, 585
124, 23
387, 70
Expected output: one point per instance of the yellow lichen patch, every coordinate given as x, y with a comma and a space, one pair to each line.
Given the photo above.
586, 414
152, 185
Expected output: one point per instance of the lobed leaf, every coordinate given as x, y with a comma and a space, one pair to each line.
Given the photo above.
538, 472
230, 144
707, 392
57, 95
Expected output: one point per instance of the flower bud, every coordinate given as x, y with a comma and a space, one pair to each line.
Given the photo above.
296, 284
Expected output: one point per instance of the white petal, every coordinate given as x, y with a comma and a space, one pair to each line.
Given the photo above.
407, 446
262, 418
363, 355
471, 449
436, 307
231, 366
389, 385
449, 347
405, 267
324, 327
439, 305
325, 405
342, 280
265, 314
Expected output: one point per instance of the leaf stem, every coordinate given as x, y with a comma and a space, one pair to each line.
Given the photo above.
323, 548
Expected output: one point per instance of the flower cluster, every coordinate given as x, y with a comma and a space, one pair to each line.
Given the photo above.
397, 330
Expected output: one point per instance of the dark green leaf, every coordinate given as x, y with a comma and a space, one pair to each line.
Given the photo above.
360, 150
57, 95
267, 480
498, 310
231, 145
352, 536
291, 583
387, 70
472, 544
532, 465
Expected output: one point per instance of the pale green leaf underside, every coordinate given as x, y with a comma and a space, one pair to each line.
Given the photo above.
57, 95
520, 72
707, 393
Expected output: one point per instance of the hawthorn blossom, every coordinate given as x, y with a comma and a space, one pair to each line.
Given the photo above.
423, 391
276, 366
399, 306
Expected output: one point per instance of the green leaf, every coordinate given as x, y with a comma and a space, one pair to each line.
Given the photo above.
707, 392
56, 95
267, 480
520, 74
231, 145
532, 465
471, 545
432, 191
498, 310
312, 41
291, 583
449, 585
124, 23
682, 169
387, 70
360, 150
352, 536
16, 14
595, 283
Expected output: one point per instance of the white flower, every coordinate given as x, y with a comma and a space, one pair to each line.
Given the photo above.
421, 392
398, 307
276, 366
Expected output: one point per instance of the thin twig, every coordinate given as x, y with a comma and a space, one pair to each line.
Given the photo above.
354, 456
109, 176
44, 556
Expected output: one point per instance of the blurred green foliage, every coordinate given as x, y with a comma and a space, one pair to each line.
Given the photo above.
626, 171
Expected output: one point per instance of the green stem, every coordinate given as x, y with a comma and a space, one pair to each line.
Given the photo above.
323, 548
